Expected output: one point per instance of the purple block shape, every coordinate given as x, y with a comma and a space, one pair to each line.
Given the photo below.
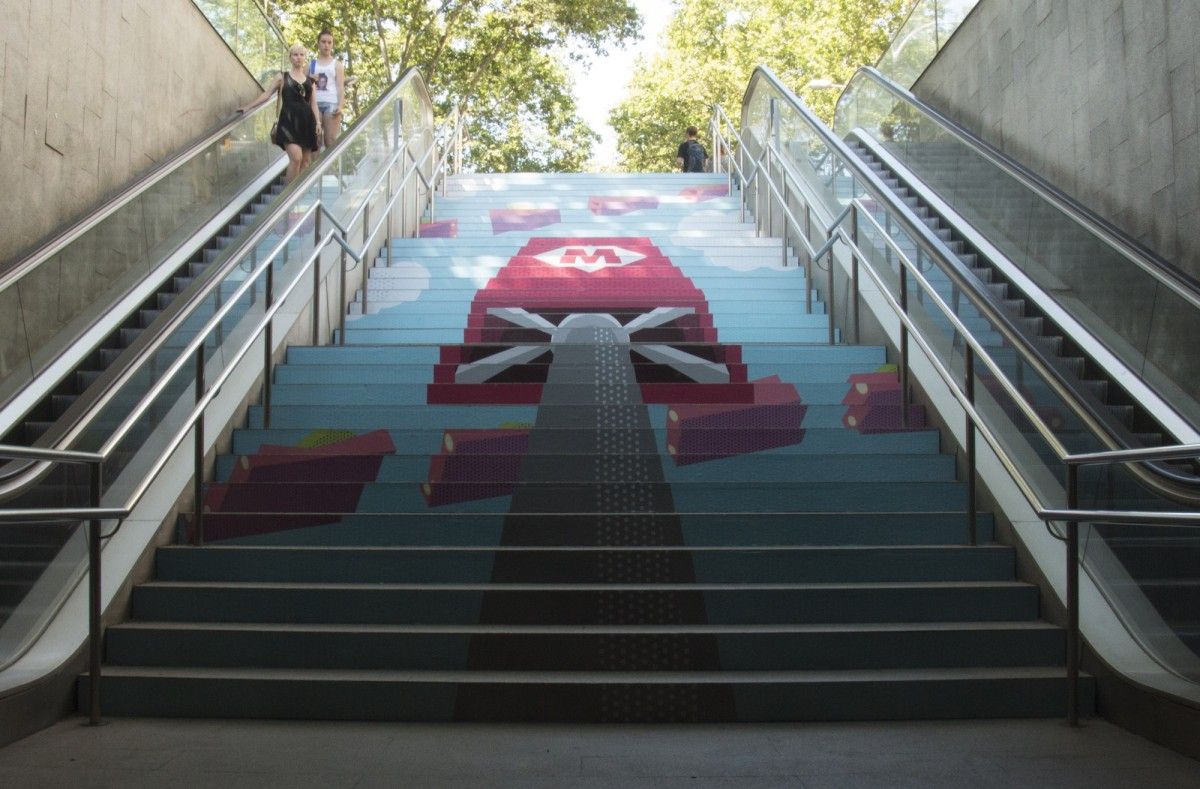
506, 219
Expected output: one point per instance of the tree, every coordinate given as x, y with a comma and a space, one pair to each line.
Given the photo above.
502, 60
712, 48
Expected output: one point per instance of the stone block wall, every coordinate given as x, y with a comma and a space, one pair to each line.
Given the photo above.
1097, 96
94, 93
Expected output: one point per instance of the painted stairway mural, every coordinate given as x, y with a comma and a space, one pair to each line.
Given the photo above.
584, 456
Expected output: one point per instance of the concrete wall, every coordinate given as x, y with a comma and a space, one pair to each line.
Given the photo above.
92, 94
1097, 96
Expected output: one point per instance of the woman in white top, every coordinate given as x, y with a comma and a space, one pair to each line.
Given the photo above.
330, 77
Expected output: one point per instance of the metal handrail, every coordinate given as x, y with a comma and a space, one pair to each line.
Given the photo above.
962, 392
131, 192
206, 392
1162, 481
263, 226
1180, 282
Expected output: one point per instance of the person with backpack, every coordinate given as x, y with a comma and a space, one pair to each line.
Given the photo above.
692, 158
329, 76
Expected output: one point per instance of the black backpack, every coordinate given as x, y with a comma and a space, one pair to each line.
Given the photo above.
694, 161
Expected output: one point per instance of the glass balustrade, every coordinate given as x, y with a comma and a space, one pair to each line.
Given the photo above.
52, 299
1148, 574
1139, 314
929, 26
353, 185
249, 33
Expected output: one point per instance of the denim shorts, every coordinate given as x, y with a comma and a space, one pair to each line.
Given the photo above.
326, 107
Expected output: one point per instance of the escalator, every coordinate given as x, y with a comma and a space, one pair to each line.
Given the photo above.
181, 276
1102, 323
1105, 398
140, 254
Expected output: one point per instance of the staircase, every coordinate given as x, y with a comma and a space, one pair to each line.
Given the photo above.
583, 457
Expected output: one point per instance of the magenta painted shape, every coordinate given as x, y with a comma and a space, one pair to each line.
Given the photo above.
602, 205
699, 194
696, 433
506, 219
443, 228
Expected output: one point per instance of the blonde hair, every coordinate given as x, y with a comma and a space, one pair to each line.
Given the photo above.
296, 46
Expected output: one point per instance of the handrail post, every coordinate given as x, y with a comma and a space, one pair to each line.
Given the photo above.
198, 455
391, 213
829, 301
768, 195
808, 260
316, 297
269, 343
1072, 598
904, 395
972, 491
342, 297
854, 263
95, 632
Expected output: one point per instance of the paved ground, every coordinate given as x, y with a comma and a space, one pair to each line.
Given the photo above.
262, 754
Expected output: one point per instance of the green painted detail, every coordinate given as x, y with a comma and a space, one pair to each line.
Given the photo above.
320, 438
887, 368
516, 425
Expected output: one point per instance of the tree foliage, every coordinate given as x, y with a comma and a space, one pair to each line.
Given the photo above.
501, 60
712, 47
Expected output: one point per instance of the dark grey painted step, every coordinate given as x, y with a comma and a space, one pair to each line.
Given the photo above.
574, 604
580, 648
557, 565
566, 697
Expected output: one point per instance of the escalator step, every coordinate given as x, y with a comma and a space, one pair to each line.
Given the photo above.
998, 289
196, 267
1098, 387
146, 317
180, 283
164, 299
128, 336
35, 428
85, 378
110, 355
59, 403
211, 254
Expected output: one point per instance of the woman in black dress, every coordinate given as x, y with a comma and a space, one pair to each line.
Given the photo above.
298, 129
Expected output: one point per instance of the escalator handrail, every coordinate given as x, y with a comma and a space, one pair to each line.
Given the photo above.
1189, 490
231, 256
1181, 282
32, 260
1164, 480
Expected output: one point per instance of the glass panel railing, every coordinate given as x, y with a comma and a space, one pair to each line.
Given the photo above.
57, 294
1150, 576
928, 27
250, 33
1136, 308
138, 421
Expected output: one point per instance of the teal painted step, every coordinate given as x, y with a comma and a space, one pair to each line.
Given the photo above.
567, 697
980, 601
550, 648
484, 529
814, 334
689, 496
816, 383
363, 386
401, 303
367, 414
760, 467
429, 440
767, 325
555, 565
870, 357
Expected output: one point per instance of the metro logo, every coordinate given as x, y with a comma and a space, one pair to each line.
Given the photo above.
590, 258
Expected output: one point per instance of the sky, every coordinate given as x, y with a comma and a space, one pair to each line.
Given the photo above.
601, 82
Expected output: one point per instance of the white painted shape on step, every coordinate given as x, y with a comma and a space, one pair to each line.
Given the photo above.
716, 248
590, 258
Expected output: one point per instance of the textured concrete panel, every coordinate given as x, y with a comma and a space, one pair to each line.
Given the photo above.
1097, 96
93, 93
